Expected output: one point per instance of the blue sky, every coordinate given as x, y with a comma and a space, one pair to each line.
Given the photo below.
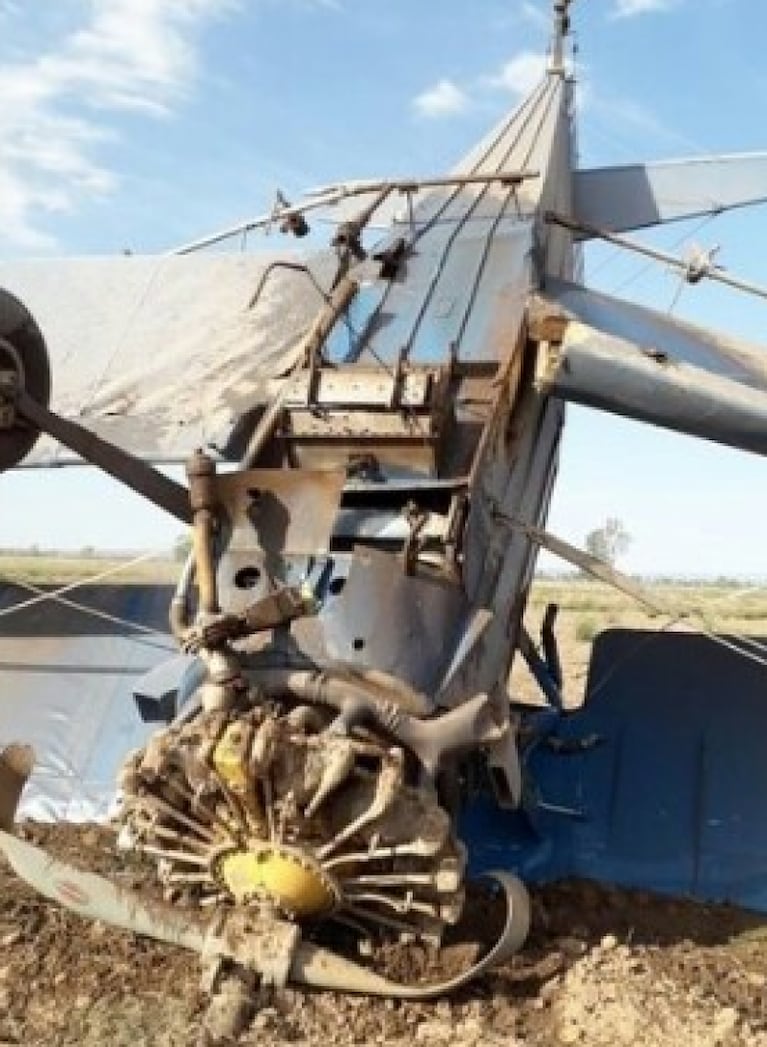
143, 123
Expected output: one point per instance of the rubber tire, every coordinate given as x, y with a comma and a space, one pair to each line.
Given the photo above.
18, 327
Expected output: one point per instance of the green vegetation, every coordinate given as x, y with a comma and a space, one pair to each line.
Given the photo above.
608, 542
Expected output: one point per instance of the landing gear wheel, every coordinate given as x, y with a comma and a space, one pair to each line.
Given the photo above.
22, 354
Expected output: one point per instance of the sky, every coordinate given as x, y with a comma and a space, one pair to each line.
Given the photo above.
140, 124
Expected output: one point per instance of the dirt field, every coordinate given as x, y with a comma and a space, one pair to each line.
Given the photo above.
603, 967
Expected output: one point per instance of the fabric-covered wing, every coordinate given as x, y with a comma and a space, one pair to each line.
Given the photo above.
623, 198
66, 688
635, 362
164, 354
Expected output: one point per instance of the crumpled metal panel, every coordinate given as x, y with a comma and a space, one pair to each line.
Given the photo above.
632, 197
163, 354
645, 365
66, 688
406, 625
667, 794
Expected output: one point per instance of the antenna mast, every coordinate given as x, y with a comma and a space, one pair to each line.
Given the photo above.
561, 29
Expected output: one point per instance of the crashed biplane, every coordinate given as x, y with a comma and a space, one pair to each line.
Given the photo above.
370, 437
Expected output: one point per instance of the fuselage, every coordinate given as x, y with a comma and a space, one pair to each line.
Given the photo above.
423, 403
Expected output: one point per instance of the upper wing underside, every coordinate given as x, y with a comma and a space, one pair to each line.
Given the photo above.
632, 361
163, 354
640, 195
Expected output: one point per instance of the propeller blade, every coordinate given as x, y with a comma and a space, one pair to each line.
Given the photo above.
323, 969
97, 898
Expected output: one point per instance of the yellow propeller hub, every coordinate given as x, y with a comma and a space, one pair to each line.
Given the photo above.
289, 878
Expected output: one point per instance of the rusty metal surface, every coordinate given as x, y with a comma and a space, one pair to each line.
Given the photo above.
274, 515
290, 510
362, 387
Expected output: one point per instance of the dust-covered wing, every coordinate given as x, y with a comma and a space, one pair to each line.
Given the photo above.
162, 354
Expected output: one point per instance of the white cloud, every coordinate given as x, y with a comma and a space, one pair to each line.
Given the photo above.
443, 99
631, 8
520, 74
137, 55
518, 77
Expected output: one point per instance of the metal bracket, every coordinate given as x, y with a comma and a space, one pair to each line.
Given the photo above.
262, 943
416, 518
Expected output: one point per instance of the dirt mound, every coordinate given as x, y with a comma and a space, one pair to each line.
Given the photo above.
603, 966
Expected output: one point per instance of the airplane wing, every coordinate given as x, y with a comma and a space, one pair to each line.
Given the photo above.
640, 195
162, 354
632, 361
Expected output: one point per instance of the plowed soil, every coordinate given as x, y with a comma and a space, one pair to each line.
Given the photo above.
602, 967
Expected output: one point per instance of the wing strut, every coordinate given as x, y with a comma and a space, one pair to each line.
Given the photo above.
141, 477
693, 271
606, 573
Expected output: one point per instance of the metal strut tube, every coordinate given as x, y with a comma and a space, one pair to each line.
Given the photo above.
204, 553
129, 470
201, 471
306, 356
180, 612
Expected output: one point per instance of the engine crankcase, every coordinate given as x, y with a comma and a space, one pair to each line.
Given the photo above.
271, 808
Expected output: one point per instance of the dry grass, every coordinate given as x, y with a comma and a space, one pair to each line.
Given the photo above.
50, 569
588, 607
